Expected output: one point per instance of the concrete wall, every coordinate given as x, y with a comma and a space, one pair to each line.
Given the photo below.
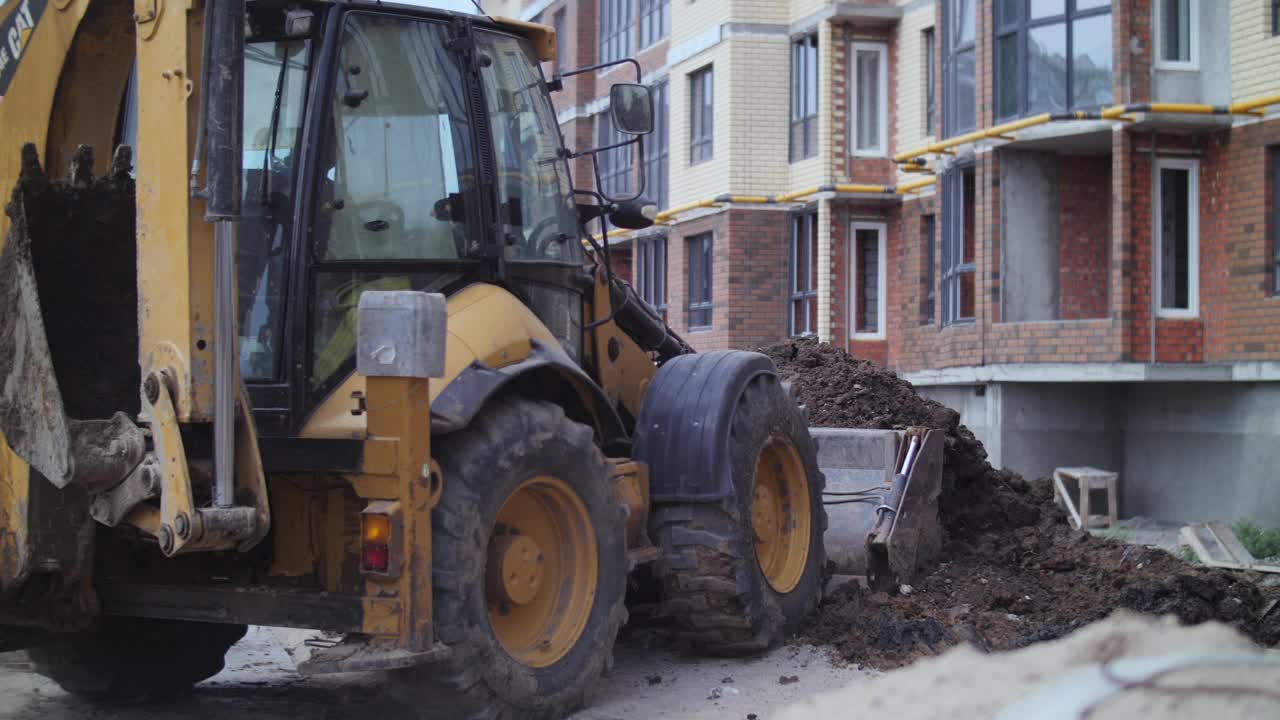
1184, 451
1030, 229
1210, 83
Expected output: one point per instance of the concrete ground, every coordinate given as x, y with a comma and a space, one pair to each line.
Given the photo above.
259, 684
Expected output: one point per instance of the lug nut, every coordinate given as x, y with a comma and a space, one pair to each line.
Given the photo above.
152, 388
166, 539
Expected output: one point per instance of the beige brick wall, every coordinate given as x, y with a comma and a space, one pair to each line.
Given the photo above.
690, 18
910, 125
807, 173
1255, 53
758, 108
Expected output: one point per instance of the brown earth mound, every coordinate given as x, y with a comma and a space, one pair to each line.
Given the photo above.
1013, 572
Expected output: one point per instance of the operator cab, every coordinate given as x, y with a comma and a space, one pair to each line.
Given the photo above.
391, 147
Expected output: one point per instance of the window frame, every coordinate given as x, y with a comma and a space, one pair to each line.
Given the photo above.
1020, 29
658, 14
805, 79
1192, 63
882, 99
803, 223
929, 38
702, 127
657, 152
617, 25
651, 271
951, 262
929, 257
1192, 311
707, 282
882, 294
950, 53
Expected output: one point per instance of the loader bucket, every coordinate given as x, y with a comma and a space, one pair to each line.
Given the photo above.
68, 319
881, 499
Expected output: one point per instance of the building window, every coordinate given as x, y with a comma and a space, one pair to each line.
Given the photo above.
698, 259
870, 98
557, 22
867, 268
958, 246
928, 240
656, 172
959, 99
615, 30
1178, 34
701, 116
1177, 237
804, 98
1275, 217
651, 271
615, 163
655, 21
802, 310
1052, 56
930, 83
1275, 17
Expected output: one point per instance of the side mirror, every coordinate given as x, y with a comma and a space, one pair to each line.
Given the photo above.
635, 214
631, 105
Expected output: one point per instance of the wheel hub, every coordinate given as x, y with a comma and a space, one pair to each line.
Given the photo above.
781, 517
515, 568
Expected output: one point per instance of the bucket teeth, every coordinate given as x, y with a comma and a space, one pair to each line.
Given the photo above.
80, 171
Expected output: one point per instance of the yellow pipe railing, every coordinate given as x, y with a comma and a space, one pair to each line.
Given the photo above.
1114, 112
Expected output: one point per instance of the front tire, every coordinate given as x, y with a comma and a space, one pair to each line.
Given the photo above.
529, 568
136, 658
741, 574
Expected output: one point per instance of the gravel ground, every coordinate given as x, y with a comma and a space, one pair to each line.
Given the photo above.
259, 684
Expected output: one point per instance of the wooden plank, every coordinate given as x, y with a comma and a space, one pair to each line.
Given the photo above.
1060, 491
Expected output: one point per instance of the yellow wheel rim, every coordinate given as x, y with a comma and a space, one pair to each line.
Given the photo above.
540, 574
780, 514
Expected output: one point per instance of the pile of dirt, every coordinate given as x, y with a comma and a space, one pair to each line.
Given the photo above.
840, 390
1012, 572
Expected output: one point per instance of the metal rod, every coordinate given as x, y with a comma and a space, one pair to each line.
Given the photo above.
224, 358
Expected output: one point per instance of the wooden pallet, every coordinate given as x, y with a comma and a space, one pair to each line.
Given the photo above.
1217, 546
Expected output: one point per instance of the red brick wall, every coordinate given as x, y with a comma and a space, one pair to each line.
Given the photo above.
847, 168
1084, 185
758, 275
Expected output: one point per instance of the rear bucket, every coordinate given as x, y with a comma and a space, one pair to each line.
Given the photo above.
860, 468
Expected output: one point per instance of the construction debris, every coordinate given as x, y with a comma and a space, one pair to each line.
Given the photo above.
1013, 571
1216, 545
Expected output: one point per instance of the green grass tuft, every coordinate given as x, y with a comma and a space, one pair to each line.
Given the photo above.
1263, 543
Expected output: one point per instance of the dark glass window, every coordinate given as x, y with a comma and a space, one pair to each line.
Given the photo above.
868, 290
698, 258
1175, 28
655, 21
1177, 262
930, 83
802, 309
958, 245
656, 154
1275, 17
804, 97
651, 271
701, 115
928, 241
616, 163
616, 21
959, 100
1051, 56
1275, 217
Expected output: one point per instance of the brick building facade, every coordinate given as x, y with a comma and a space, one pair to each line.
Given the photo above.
1102, 289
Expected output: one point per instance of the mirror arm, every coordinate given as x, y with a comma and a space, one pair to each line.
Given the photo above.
600, 66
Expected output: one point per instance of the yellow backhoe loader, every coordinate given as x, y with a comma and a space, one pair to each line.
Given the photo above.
319, 345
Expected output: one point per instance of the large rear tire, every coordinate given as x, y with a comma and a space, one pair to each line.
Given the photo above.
136, 658
529, 569
741, 574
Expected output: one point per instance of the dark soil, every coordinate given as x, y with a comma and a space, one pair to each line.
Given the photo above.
1013, 572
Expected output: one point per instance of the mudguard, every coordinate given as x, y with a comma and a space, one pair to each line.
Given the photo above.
463, 398
683, 430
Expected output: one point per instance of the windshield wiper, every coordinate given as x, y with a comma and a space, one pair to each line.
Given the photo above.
264, 186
